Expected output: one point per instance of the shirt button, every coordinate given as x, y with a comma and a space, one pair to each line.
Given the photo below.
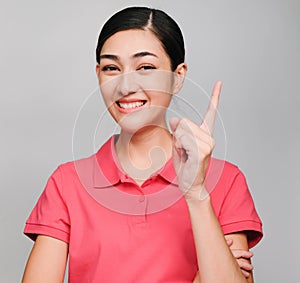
142, 198
124, 178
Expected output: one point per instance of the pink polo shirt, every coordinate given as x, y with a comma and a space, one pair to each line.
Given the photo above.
118, 231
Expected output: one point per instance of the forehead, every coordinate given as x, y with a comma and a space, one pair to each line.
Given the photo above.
131, 41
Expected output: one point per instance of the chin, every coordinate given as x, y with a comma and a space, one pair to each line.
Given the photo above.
143, 122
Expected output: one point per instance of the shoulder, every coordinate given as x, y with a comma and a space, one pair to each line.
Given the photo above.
227, 166
70, 166
75, 170
225, 180
86, 164
222, 173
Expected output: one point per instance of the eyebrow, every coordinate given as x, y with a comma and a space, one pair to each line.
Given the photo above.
137, 55
143, 54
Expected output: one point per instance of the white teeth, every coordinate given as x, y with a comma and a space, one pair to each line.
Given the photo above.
131, 105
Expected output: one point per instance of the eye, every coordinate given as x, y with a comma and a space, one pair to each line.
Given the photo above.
110, 68
146, 68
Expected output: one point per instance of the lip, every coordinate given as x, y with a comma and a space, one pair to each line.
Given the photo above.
130, 101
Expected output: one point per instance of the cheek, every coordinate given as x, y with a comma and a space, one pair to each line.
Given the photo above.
108, 91
160, 99
157, 81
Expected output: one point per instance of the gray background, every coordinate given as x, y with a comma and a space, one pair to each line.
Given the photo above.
47, 72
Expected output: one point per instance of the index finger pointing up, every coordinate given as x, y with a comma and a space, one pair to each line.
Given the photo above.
210, 116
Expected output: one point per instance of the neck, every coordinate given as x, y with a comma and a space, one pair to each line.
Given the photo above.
144, 152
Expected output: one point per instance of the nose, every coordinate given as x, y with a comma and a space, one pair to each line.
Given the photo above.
127, 84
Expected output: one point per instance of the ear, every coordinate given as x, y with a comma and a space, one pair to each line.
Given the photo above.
98, 71
179, 75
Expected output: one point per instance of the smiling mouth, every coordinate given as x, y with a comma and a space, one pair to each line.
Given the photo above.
130, 105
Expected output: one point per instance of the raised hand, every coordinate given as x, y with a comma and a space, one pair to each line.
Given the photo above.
192, 148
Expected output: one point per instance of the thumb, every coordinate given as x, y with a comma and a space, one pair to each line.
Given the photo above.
174, 121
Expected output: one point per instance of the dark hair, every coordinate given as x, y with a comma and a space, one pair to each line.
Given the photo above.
157, 21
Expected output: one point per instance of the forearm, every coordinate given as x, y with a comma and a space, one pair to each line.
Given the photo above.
215, 260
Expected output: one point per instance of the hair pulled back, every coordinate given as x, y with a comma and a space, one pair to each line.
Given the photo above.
144, 18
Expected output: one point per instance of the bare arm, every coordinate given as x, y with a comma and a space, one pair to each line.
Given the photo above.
240, 250
241, 253
47, 261
216, 262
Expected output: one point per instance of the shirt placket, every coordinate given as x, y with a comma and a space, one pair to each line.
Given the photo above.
140, 202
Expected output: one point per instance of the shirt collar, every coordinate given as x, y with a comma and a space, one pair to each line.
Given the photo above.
107, 170
168, 173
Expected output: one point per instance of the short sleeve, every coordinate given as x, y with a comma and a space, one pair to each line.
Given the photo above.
50, 215
238, 213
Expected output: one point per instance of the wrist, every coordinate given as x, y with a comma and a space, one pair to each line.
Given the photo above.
198, 206
197, 194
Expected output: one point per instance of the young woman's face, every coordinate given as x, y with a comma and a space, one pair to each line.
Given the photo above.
136, 79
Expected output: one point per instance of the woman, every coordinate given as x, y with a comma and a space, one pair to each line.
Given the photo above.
147, 206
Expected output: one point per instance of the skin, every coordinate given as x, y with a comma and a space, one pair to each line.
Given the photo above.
47, 261
134, 68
